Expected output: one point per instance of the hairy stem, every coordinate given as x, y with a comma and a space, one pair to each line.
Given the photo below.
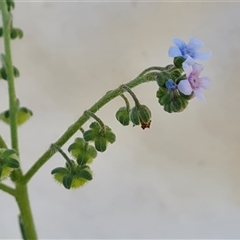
25, 211
142, 78
21, 193
7, 62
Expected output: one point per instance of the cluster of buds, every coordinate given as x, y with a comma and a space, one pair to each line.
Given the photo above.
77, 172
180, 82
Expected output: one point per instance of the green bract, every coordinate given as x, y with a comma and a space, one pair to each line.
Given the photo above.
100, 135
82, 151
8, 162
72, 176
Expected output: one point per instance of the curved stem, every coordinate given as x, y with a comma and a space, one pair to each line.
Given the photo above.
78, 124
63, 154
7, 189
126, 101
94, 116
137, 103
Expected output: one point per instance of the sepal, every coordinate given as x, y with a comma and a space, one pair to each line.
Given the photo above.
122, 116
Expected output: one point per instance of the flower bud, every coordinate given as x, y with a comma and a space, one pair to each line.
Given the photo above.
82, 151
178, 61
163, 77
171, 99
3, 73
72, 177
100, 135
23, 115
141, 114
16, 33
8, 162
122, 116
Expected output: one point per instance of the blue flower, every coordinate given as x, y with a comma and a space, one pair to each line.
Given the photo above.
170, 85
188, 50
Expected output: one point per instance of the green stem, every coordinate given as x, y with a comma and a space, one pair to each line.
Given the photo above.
7, 189
7, 19
126, 101
94, 116
25, 211
78, 124
21, 193
137, 103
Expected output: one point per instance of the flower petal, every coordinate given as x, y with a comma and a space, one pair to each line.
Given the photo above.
204, 82
178, 42
189, 61
185, 87
195, 44
202, 56
197, 68
174, 52
187, 68
199, 94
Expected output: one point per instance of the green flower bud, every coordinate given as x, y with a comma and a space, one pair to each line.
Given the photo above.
23, 115
101, 144
141, 114
72, 177
163, 77
3, 73
16, 33
176, 73
122, 116
10, 5
8, 162
82, 151
171, 100
100, 135
178, 61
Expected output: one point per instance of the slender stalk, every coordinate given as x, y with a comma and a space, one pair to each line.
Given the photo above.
78, 124
126, 101
7, 19
63, 154
21, 193
137, 103
7, 189
94, 116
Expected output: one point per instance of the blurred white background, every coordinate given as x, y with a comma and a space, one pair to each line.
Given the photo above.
178, 179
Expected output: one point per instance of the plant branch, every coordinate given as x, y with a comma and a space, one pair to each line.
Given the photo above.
7, 189
78, 124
